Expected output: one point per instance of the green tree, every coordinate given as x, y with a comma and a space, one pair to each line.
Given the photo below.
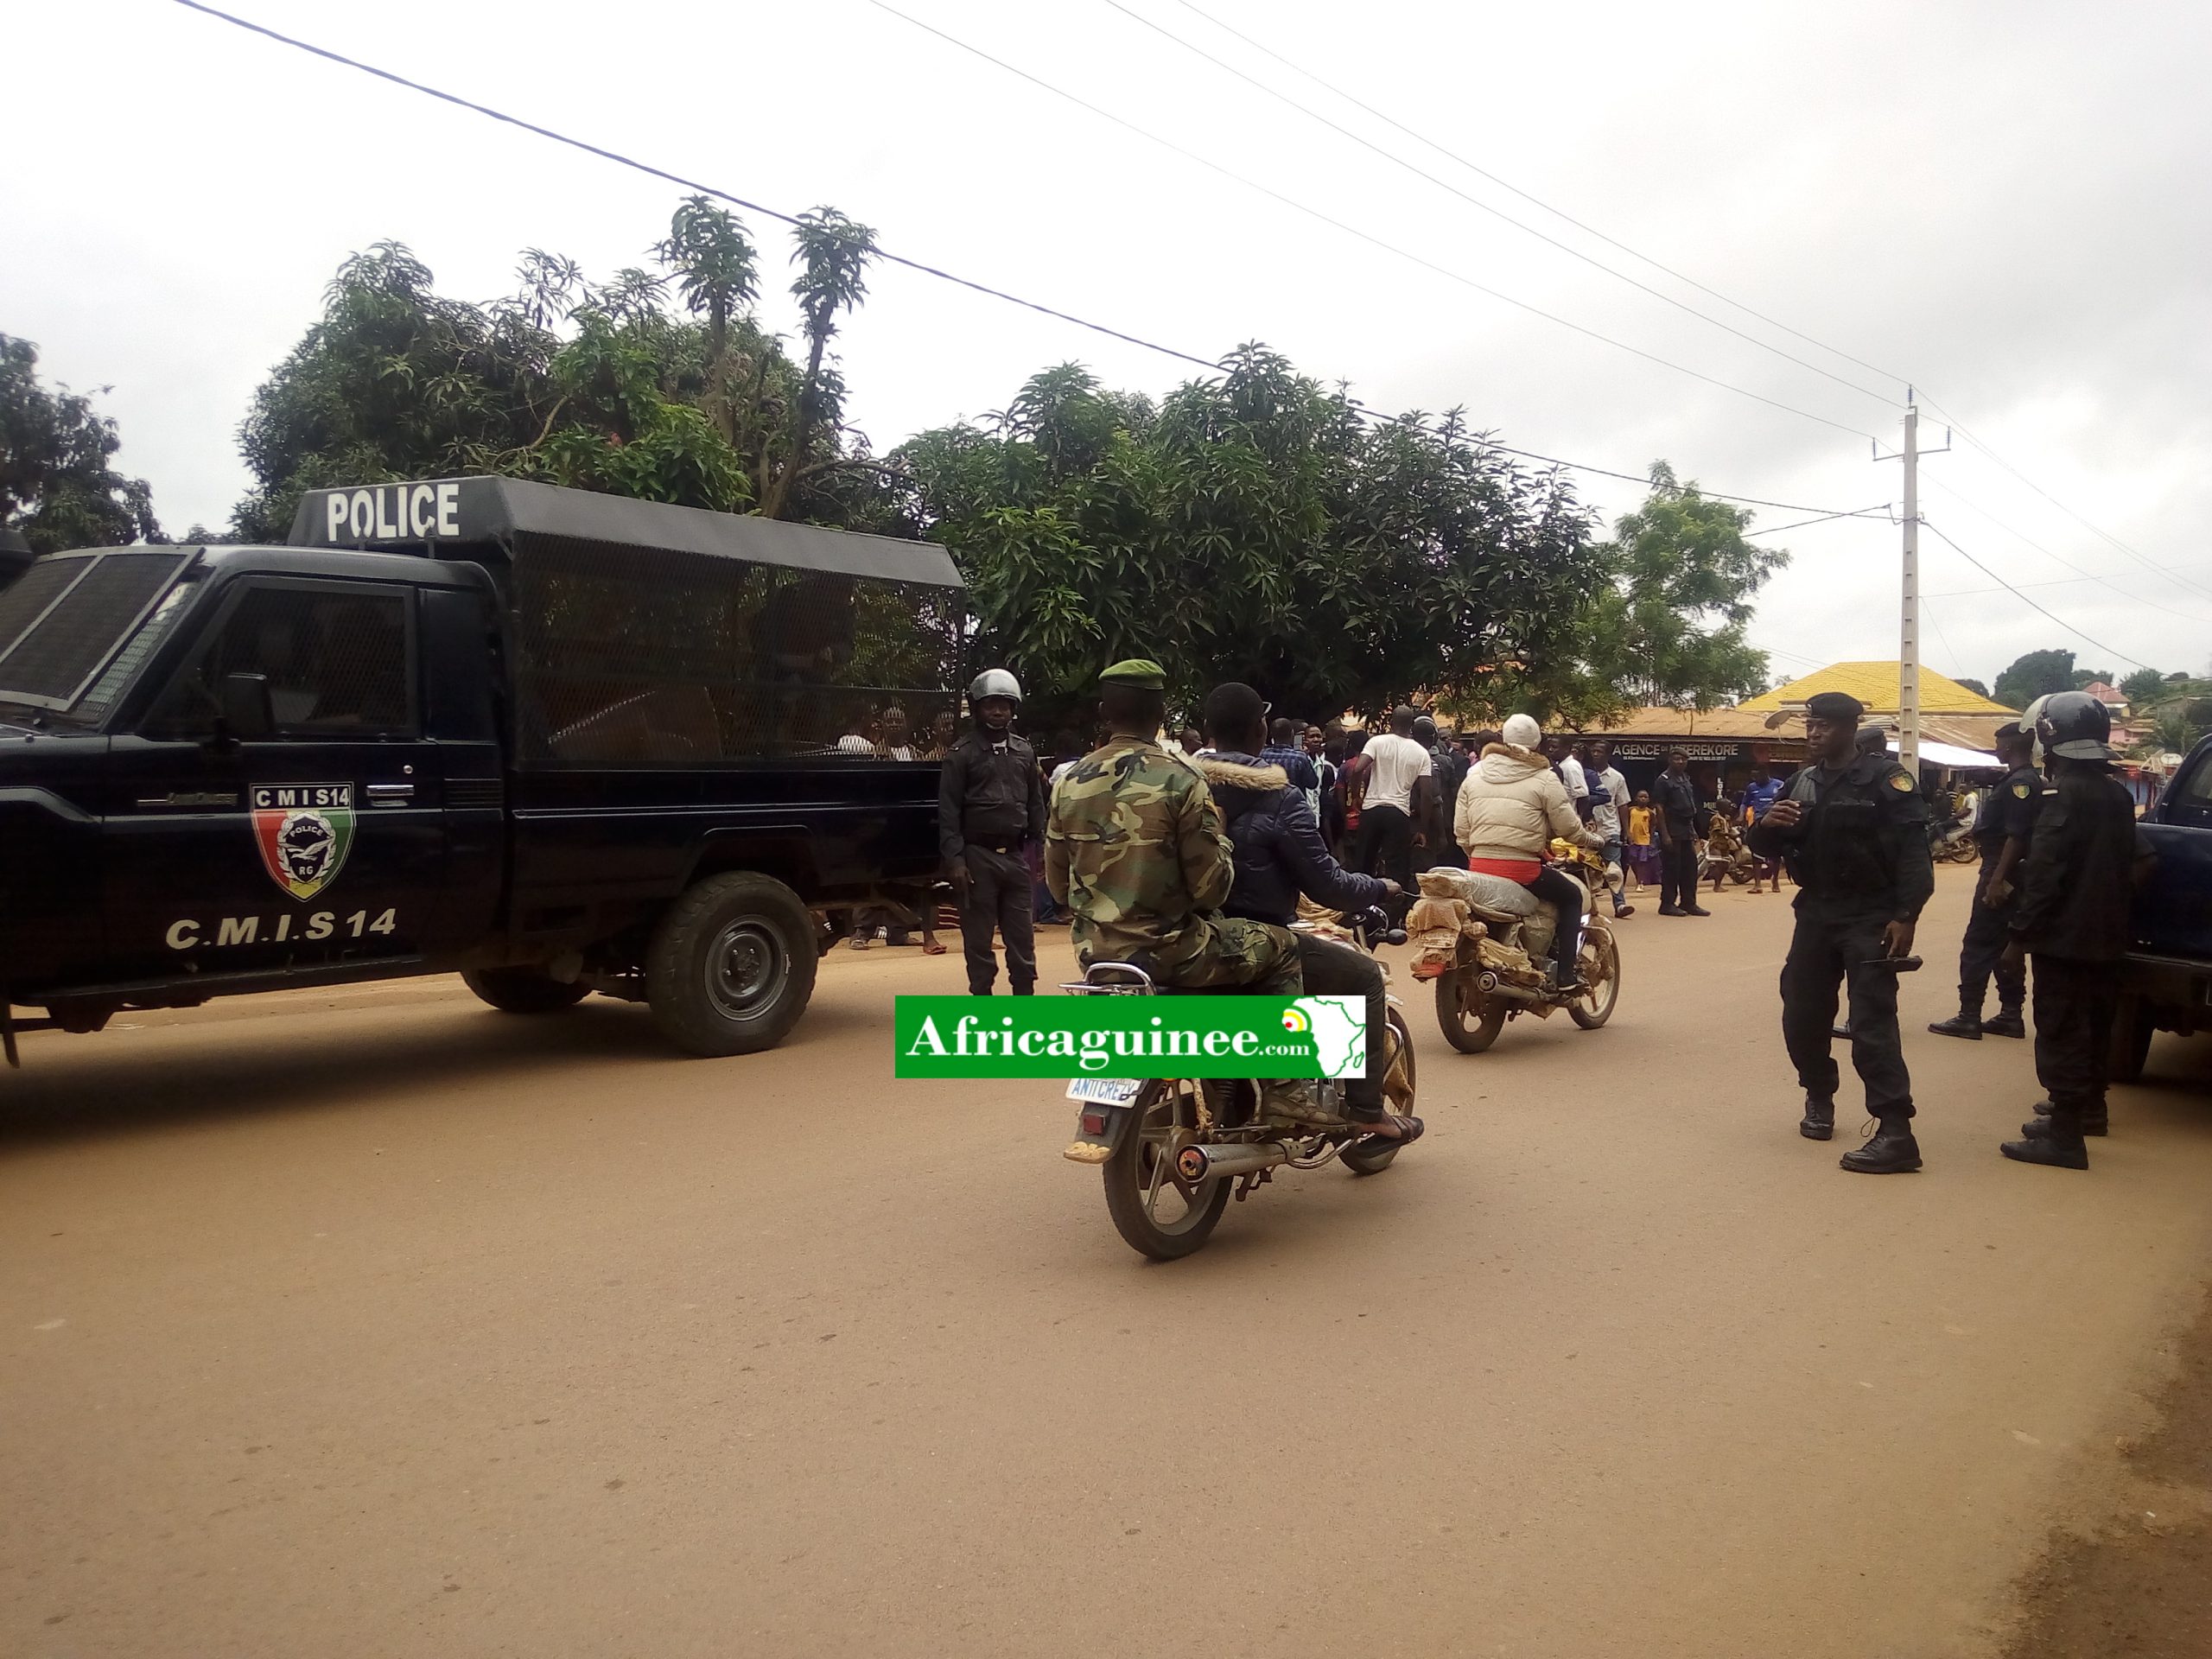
1664, 622
1975, 686
660, 384
1253, 526
2142, 687
2089, 676
2038, 674
58, 486
832, 256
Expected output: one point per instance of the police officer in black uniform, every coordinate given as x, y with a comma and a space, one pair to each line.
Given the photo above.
990, 807
1854, 829
2004, 830
2074, 916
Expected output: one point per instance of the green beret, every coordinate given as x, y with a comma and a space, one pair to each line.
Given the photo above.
1140, 671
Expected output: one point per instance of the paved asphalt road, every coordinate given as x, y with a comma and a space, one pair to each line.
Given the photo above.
378, 1324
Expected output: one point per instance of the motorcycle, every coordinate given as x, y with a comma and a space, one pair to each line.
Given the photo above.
1952, 837
1173, 1151
1489, 965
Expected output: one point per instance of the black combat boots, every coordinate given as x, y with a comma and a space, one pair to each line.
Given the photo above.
1819, 1121
2006, 1022
2056, 1140
1960, 1024
2096, 1119
1892, 1151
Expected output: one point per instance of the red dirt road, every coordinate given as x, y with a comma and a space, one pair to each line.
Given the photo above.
375, 1323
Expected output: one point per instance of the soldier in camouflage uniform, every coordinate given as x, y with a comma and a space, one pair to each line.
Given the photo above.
1134, 847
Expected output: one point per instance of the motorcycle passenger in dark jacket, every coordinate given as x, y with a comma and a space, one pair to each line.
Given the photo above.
1280, 855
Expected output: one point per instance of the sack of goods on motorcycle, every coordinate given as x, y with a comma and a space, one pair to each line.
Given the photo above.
1442, 924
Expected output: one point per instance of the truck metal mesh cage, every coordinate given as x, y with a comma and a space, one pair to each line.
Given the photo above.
630, 656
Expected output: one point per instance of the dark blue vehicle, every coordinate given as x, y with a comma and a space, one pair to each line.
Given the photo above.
2166, 982
559, 743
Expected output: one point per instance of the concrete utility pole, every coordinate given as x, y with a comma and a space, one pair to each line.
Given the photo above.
1909, 632
1909, 629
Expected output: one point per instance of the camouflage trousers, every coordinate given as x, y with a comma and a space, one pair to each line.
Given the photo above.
1261, 959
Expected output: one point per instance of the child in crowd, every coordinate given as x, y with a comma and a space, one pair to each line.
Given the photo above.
1643, 852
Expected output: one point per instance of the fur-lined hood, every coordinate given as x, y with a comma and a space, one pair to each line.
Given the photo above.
1229, 771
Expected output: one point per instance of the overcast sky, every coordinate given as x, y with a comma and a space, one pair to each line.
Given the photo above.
2005, 201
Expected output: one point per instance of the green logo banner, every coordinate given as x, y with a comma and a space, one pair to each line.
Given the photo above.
1130, 1036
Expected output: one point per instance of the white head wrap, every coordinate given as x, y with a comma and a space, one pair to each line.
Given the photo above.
1523, 732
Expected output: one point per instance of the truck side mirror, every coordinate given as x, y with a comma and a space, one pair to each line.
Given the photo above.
248, 714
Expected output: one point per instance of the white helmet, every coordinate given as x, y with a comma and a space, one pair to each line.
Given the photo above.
995, 682
2031, 718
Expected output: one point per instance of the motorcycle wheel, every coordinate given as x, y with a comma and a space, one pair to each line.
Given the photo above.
1591, 1010
1373, 1157
1965, 853
1470, 1029
1155, 1212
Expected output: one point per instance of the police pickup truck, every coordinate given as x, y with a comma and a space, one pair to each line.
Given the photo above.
561, 742
2165, 982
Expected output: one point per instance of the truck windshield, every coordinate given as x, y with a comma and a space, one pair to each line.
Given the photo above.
68, 616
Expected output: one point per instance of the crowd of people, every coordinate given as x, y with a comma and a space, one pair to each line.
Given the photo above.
1107, 838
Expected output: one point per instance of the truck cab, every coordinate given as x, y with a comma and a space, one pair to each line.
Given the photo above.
2165, 981
559, 743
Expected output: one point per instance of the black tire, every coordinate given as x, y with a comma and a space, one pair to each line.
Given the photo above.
1131, 1199
1590, 1012
1469, 1030
1373, 1157
2131, 1039
522, 990
731, 965
1965, 853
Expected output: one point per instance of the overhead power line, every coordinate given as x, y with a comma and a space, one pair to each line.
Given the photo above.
1644, 478
2069, 627
2086, 574
1568, 248
1557, 213
1334, 223
1881, 510
621, 160
652, 171
2147, 564
1390, 120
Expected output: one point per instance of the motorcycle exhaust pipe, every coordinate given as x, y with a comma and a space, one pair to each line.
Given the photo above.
1211, 1162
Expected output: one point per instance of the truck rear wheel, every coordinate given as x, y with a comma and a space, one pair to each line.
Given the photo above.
731, 966
522, 990
2131, 1026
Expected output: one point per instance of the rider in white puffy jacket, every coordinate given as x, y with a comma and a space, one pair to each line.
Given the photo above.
1510, 807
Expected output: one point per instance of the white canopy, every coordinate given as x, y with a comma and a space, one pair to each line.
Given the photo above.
1950, 754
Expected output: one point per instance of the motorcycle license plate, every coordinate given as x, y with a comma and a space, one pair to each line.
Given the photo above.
1104, 1091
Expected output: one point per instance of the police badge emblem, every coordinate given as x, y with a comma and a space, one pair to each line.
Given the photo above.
2021, 790
1900, 783
304, 831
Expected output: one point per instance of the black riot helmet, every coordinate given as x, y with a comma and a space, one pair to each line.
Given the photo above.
2074, 726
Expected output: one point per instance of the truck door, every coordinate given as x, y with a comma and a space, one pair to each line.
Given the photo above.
319, 842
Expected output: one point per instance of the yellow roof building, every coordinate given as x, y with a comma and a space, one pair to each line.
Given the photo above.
1878, 686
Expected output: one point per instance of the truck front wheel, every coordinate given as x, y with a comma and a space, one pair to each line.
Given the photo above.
731, 965
522, 990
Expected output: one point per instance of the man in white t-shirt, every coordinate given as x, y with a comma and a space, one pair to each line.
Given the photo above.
1607, 817
1396, 800
1557, 751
